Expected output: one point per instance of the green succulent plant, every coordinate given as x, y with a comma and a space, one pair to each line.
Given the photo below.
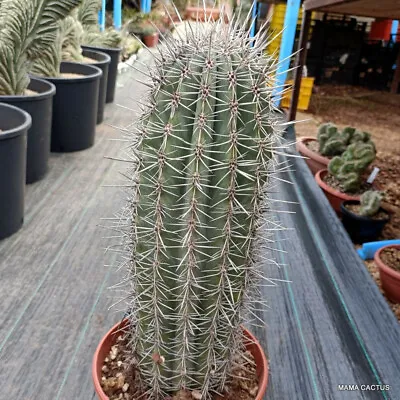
370, 203
27, 28
350, 166
203, 152
92, 36
331, 141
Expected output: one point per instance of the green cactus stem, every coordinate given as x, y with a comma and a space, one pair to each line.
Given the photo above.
205, 149
370, 203
350, 166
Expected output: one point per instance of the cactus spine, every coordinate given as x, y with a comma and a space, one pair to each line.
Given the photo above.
204, 148
370, 203
349, 167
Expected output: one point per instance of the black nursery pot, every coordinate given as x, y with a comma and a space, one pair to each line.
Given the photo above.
75, 107
40, 108
14, 125
361, 229
112, 70
103, 62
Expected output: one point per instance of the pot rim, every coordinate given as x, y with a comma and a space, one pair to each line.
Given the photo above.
118, 327
51, 91
107, 58
84, 78
18, 130
302, 148
362, 217
105, 49
382, 266
319, 178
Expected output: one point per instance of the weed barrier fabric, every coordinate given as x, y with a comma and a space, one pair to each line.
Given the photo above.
328, 331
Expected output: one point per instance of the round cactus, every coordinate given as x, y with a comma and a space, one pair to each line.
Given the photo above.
349, 167
370, 203
204, 149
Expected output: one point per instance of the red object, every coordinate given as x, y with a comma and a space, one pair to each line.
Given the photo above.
398, 34
390, 278
109, 339
150, 40
334, 196
315, 161
381, 29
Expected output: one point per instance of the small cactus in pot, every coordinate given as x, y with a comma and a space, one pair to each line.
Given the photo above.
203, 153
350, 166
370, 202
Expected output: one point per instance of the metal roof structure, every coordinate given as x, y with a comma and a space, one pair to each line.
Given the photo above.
366, 8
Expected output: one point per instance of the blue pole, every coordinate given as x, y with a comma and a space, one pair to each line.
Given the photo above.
117, 14
102, 15
143, 6
253, 20
288, 36
395, 27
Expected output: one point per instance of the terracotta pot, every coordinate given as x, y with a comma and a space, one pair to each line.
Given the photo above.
150, 40
390, 278
109, 339
315, 161
335, 197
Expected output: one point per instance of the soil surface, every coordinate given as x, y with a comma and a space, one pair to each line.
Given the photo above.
121, 381
29, 92
331, 181
391, 257
71, 76
312, 145
355, 209
88, 60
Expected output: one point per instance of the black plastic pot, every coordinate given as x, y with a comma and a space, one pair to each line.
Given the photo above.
14, 125
103, 62
75, 107
361, 229
112, 70
40, 108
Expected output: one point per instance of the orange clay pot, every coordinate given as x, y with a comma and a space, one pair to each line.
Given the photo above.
109, 340
151, 40
390, 278
334, 196
315, 161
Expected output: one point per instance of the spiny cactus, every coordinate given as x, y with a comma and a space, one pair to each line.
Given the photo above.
349, 167
204, 149
370, 203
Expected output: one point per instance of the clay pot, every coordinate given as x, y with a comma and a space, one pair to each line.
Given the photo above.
151, 40
390, 278
335, 197
315, 161
110, 338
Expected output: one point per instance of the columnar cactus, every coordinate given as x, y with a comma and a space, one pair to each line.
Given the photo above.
349, 167
205, 148
370, 203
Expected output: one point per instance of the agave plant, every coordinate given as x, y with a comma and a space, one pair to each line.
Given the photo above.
27, 28
203, 152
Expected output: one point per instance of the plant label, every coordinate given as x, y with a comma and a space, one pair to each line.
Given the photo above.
373, 175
